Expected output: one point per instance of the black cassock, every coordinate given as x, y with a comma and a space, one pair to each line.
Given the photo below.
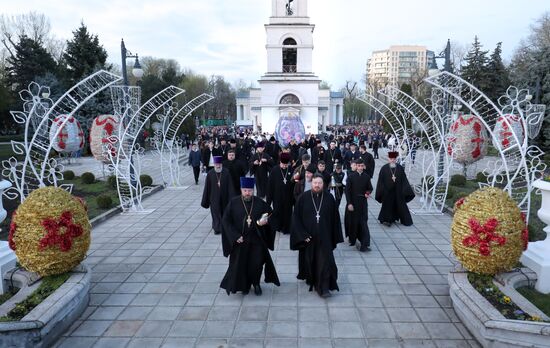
237, 169
332, 157
316, 264
261, 172
347, 213
218, 190
356, 187
394, 196
368, 159
247, 260
281, 194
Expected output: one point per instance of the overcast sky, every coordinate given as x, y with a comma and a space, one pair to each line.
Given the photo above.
227, 37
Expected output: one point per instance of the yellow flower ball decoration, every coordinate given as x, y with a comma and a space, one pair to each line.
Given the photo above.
489, 233
50, 232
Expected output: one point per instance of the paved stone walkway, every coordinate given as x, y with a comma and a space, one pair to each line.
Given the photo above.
156, 284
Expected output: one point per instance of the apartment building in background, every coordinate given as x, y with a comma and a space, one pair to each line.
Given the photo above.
397, 65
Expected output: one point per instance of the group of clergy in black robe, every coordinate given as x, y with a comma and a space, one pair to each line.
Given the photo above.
248, 223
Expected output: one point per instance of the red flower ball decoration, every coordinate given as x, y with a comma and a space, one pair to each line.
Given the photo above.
483, 236
13, 227
54, 237
525, 232
460, 202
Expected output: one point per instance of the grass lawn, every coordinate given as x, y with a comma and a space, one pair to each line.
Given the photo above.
540, 300
90, 192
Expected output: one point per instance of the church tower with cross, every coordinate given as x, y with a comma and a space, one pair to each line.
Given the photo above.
289, 86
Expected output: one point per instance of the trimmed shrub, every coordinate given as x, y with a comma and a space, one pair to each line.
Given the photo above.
104, 201
111, 181
88, 178
145, 180
451, 192
458, 180
481, 177
68, 175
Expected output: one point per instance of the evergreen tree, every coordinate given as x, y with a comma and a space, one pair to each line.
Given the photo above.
475, 70
498, 75
83, 56
30, 60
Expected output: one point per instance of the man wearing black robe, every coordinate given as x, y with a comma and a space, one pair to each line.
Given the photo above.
218, 190
236, 168
394, 192
351, 155
280, 190
247, 238
368, 160
347, 214
315, 232
333, 156
207, 156
321, 169
223, 148
260, 166
358, 190
272, 149
337, 183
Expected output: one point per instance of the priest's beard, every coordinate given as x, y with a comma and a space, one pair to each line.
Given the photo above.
247, 198
393, 165
218, 170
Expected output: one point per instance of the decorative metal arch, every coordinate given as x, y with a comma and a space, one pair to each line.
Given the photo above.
435, 172
38, 169
127, 159
170, 168
519, 164
386, 113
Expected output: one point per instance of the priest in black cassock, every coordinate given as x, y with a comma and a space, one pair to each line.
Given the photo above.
394, 192
332, 157
315, 232
280, 190
260, 166
368, 160
236, 168
358, 190
247, 238
218, 190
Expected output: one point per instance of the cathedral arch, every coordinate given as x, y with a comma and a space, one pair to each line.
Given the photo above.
289, 99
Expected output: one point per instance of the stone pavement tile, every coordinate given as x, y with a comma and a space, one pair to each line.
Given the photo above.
155, 288
223, 313
420, 301
315, 343
218, 329
246, 343
433, 315
383, 343
130, 288
313, 329
346, 330
283, 314
104, 288
156, 328
193, 313
342, 314
124, 328
164, 313
378, 330
110, 342
474, 344
281, 342
410, 330
402, 315
464, 331
173, 300
372, 314
201, 299
92, 328
181, 288
395, 301
234, 300
349, 343
444, 301
145, 343
171, 342
76, 342
452, 344
313, 314
282, 329
106, 313
254, 314
368, 301
415, 289
135, 313
250, 329
186, 328
146, 300
212, 342
418, 344
383, 278
119, 300
443, 331
97, 299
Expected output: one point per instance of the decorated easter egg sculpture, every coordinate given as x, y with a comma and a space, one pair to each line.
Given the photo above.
504, 131
290, 126
66, 135
489, 233
467, 142
50, 232
103, 128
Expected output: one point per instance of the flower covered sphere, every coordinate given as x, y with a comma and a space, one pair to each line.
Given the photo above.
489, 233
504, 131
467, 142
50, 232
66, 135
104, 129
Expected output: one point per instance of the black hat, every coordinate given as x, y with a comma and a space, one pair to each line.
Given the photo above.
272, 138
232, 141
311, 168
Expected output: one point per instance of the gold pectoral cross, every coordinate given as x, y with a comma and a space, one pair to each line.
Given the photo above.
249, 221
393, 178
317, 217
